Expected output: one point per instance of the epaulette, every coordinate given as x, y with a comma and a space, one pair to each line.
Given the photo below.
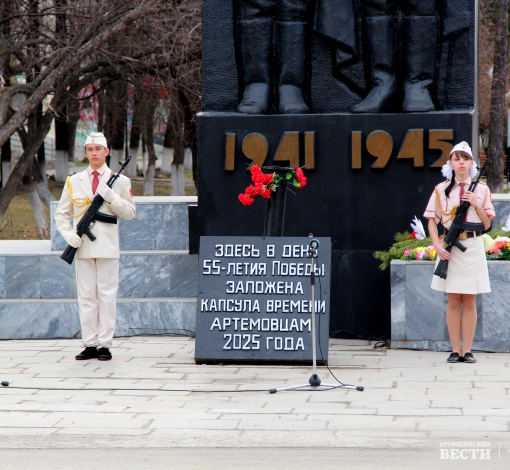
86, 202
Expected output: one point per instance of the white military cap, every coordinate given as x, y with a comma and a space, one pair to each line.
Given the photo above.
462, 147
96, 138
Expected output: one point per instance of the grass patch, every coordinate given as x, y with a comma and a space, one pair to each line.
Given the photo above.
19, 223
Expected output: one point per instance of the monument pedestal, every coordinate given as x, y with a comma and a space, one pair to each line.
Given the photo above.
368, 176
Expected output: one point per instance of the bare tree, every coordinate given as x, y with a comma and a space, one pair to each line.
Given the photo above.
151, 98
136, 131
498, 108
62, 47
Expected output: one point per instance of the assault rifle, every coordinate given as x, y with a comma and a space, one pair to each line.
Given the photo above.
92, 215
458, 226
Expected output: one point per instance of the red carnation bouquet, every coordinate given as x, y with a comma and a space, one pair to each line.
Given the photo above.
265, 184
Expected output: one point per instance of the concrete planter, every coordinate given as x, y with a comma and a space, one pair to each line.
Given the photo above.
418, 312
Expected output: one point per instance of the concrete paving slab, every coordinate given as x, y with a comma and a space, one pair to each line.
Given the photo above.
413, 401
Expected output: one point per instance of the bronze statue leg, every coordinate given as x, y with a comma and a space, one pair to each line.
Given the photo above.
255, 31
292, 53
292, 46
255, 26
380, 34
419, 34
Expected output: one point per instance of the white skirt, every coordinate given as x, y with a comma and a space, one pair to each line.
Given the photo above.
467, 272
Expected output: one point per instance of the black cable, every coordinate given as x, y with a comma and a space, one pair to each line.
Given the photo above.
130, 390
58, 389
320, 346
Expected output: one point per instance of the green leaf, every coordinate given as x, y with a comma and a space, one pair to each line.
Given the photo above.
288, 175
296, 183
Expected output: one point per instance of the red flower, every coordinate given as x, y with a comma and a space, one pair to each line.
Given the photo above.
413, 235
266, 193
497, 247
300, 177
245, 199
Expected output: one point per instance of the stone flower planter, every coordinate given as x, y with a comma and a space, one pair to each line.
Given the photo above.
418, 312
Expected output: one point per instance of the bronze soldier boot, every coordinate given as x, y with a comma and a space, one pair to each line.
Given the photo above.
255, 38
380, 38
292, 53
420, 49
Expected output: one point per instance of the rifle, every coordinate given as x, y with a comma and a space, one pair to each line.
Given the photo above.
458, 226
92, 215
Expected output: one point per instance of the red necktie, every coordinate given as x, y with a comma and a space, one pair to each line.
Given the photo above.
462, 193
95, 181
461, 190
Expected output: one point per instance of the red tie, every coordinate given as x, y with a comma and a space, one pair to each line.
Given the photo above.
462, 193
95, 181
460, 184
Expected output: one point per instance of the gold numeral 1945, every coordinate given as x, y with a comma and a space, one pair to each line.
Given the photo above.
379, 144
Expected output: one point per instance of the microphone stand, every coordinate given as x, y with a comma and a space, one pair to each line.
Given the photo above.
315, 381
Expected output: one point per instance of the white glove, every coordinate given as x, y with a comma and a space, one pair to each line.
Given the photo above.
106, 192
74, 240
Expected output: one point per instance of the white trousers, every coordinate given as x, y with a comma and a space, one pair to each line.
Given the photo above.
97, 282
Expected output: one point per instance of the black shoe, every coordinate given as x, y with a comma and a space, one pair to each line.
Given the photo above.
104, 354
455, 357
90, 352
468, 357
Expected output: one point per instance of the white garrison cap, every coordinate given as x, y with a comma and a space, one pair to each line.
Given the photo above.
462, 147
96, 138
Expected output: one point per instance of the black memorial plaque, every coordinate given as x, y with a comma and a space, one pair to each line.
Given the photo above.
255, 300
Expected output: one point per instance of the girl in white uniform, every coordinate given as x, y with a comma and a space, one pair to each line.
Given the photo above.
467, 271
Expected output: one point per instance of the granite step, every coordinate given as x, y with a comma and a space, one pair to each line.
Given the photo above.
161, 223
59, 318
32, 270
157, 292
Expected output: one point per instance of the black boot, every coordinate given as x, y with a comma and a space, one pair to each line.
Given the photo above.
255, 39
420, 49
292, 52
380, 38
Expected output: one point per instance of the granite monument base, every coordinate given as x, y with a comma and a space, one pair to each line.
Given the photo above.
157, 282
418, 312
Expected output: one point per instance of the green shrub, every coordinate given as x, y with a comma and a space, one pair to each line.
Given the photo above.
403, 241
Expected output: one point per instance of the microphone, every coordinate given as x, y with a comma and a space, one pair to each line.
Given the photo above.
314, 244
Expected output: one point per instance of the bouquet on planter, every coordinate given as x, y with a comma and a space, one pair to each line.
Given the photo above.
408, 246
265, 184
420, 253
498, 248
412, 247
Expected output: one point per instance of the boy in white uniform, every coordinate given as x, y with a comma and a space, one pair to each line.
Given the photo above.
97, 262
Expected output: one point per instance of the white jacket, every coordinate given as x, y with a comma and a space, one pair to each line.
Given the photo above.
106, 244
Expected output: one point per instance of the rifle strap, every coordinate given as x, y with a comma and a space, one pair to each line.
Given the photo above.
450, 214
86, 202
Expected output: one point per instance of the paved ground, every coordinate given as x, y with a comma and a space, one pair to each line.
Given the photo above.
415, 409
